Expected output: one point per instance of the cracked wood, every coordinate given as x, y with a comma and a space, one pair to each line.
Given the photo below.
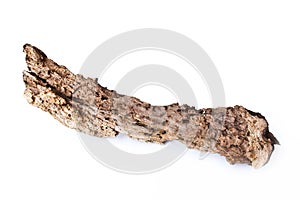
80, 103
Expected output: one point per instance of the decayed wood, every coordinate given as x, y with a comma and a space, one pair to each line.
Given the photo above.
242, 136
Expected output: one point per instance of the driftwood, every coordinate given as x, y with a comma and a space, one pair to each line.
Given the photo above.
242, 136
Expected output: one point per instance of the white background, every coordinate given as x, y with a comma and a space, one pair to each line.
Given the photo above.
254, 44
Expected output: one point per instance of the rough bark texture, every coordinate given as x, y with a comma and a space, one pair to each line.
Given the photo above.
242, 136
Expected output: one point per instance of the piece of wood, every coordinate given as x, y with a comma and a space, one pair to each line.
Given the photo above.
80, 103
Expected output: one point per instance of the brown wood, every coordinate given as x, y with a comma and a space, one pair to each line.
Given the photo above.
242, 136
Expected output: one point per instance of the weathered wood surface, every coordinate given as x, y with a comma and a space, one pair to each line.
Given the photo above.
242, 136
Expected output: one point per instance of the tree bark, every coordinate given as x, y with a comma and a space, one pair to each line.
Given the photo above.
80, 103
